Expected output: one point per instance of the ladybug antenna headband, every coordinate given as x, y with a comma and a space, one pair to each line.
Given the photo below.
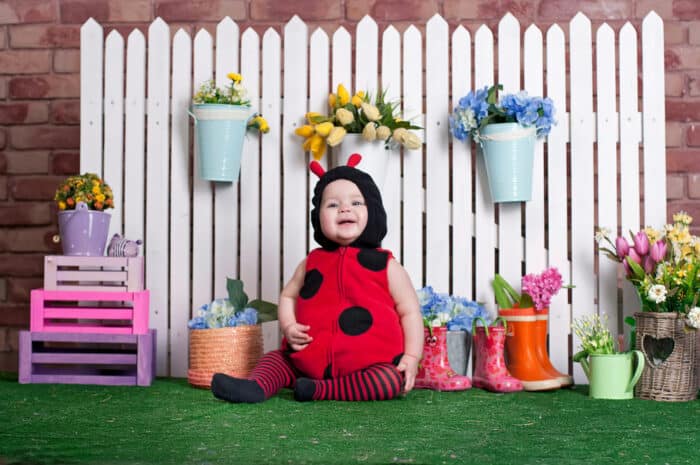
318, 170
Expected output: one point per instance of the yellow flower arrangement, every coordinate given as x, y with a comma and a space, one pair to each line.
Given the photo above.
356, 114
88, 188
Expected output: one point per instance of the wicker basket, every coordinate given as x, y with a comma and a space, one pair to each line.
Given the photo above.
232, 350
673, 379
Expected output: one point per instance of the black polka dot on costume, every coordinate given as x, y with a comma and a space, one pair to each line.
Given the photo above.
328, 372
373, 260
395, 361
354, 321
312, 283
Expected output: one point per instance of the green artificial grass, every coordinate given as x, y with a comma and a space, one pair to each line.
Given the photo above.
172, 423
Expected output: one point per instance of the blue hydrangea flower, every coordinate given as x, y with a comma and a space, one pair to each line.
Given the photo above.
453, 312
220, 313
469, 112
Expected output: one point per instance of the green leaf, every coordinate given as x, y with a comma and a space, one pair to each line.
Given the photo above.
631, 321
236, 296
267, 311
526, 301
505, 295
578, 356
636, 269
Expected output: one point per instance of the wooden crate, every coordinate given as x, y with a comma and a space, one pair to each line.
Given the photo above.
70, 273
83, 358
89, 312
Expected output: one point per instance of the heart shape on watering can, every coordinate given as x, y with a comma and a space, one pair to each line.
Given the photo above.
657, 350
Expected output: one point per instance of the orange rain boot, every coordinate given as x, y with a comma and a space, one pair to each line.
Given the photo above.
521, 350
541, 329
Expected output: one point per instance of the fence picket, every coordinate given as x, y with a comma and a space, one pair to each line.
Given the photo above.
91, 95
114, 125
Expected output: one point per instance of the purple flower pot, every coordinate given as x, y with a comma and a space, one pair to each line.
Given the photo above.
83, 231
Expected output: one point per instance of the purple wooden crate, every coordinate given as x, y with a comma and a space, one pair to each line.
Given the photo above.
87, 358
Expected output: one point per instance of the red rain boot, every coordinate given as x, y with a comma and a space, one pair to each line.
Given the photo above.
435, 371
490, 370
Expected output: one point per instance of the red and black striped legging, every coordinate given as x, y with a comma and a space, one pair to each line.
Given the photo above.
382, 381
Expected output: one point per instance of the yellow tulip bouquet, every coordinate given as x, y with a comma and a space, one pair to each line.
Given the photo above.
375, 119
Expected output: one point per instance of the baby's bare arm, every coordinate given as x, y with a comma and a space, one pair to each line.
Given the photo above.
295, 333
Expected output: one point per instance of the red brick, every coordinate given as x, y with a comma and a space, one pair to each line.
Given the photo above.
675, 84
3, 87
19, 289
25, 61
675, 33
65, 112
65, 163
79, 11
3, 187
35, 187
694, 33
3, 34
9, 339
14, 314
25, 265
693, 135
694, 84
686, 10
684, 110
675, 187
307, 10
30, 239
27, 112
45, 137
45, 36
391, 10
593, 9
27, 162
694, 186
27, 11
66, 61
53, 86
3, 298
680, 57
202, 10
3, 143
3, 161
25, 214
663, 9
674, 134
458, 9
683, 161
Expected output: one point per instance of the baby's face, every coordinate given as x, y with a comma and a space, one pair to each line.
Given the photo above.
343, 213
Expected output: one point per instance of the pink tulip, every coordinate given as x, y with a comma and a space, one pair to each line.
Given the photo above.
658, 250
641, 243
628, 270
649, 264
635, 256
622, 247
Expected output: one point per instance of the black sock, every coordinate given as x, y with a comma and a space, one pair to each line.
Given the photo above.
236, 390
304, 389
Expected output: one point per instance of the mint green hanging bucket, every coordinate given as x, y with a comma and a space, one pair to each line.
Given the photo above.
220, 130
509, 150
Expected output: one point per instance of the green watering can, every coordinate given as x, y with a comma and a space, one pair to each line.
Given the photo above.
612, 376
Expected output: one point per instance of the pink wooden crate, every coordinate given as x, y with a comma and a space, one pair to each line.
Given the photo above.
80, 358
89, 312
70, 273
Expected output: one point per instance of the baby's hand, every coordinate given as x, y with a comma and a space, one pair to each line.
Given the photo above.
409, 366
297, 336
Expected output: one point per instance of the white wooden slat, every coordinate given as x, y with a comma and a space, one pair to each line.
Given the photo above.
341, 60
134, 137
557, 198
606, 168
294, 200
582, 173
180, 305
157, 187
366, 55
653, 101
319, 70
413, 193
485, 229
91, 78
202, 196
226, 194
249, 225
271, 181
391, 191
630, 136
437, 251
462, 181
509, 223
114, 126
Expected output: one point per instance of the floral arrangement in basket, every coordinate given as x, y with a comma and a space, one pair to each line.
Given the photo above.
537, 290
454, 312
663, 266
233, 311
88, 188
234, 93
374, 118
481, 107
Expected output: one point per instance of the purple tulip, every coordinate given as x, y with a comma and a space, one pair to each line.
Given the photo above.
622, 247
635, 256
641, 243
658, 250
649, 264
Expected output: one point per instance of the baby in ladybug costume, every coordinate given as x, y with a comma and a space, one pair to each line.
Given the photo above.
350, 315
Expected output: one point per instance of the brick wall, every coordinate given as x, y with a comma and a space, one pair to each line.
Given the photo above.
40, 92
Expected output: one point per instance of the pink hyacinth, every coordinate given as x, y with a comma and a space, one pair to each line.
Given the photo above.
542, 287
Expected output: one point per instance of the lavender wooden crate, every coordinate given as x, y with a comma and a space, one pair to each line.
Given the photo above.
70, 273
83, 358
89, 311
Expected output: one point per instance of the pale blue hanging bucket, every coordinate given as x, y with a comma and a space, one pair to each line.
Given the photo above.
509, 150
219, 130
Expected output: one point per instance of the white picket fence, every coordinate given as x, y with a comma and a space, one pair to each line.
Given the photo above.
443, 227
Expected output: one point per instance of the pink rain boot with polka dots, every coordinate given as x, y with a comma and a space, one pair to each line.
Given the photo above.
435, 371
490, 370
